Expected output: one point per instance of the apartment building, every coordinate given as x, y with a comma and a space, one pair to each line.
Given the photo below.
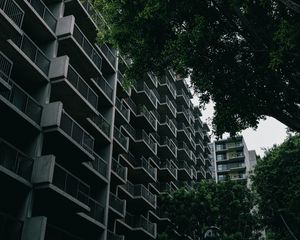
82, 157
232, 159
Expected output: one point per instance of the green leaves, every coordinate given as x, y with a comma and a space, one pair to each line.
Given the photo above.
227, 205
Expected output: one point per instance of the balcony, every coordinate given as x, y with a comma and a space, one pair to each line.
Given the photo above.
30, 62
113, 236
124, 89
182, 98
123, 142
99, 169
183, 132
161, 218
11, 19
166, 106
167, 148
239, 156
5, 71
122, 112
151, 80
139, 169
137, 195
184, 170
183, 115
74, 92
14, 164
109, 65
200, 146
100, 128
201, 173
200, 159
119, 172
166, 126
104, 90
87, 57
142, 93
61, 130
117, 205
161, 187
19, 105
232, 167
228, 146
199, 133
11, 228
209, 174
167, 171
183, 151
166, 87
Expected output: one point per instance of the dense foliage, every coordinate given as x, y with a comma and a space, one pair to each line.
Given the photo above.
277, 182
226, 205
242, 54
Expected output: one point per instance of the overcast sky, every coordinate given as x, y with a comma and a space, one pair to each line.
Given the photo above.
268, 133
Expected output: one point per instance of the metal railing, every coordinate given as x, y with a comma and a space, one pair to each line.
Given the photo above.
118, 168
131, 105
139, 190
87, 47
184, 165
101, 122
183, 145
11, 228
142, 135
76, 132
164, 119
33, 52
168, 164
181, 92
24, 102
121, 107
13, 11
105, 86
109, 54
116, 203
5, 67
145, 224
153, 78
230, 166
99, 164
14, 160
142, 86
182, 109
142, 109
96, 210
120, 137
45, 13
167, 141
165, 80
85, 90
113, 236
71, 184
165, 99
182, 126
95, 15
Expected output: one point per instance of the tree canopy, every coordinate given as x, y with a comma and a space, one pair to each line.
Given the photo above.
276, 180
226, 205
241, 54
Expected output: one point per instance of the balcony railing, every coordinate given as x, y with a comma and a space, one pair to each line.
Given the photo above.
165, 99
142, 86
139, 190
118, 168
101, 122
95, 15
11, 228
182, 145
181, 92
168, 142
184, 165
120, 106
85, 90
142, 135
70, 184
44, 12
113, 236
116, 203
32, 51
96, 210
87, 47
185, 111
99, 164
142, 109
5, 67
182, 126
14, 160
24, 102
165, 80
167, 164
13, 11
120, 137
140, 222
109, 54
226, 167
153, 78
105, 86
76, 132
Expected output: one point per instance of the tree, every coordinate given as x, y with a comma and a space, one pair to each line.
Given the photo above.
241, 54
276, 180
226, 205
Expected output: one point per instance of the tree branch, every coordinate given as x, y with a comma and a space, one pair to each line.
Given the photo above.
291, 5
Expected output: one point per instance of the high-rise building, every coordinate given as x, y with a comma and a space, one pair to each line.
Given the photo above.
232, 159
81, 156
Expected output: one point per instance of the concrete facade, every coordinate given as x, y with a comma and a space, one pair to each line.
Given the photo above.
82, 157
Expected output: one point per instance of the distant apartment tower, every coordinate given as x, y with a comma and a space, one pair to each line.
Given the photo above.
232, 159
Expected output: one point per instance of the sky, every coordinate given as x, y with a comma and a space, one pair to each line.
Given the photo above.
268, 133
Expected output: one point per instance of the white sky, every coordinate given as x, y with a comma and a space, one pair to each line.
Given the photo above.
268, 133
